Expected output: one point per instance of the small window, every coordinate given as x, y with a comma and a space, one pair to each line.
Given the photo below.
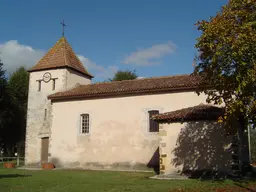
45, 114
53, 84
153, 125
39, 85
84, 124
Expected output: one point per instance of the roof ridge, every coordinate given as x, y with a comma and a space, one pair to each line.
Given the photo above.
142, 79
51, 49
159, 77
75, 55
64, 52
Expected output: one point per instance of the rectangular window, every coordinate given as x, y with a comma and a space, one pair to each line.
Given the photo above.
53, 84
84, 124
153, 125
45, 113
39, 85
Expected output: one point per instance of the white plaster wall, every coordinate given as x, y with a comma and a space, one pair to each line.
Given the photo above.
118, 129
74, 77
194, 146
37, 126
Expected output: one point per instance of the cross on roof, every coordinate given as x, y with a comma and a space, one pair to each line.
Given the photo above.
63, 26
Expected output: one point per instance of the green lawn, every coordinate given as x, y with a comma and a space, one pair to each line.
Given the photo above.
80, 181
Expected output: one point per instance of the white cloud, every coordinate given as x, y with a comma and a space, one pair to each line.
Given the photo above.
100, 71
151, 55
14, 55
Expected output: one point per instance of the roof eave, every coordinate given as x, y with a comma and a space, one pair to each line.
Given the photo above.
196, 116
120, 94
61, 67
183, 120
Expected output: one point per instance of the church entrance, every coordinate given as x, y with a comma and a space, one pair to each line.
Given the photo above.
44, 149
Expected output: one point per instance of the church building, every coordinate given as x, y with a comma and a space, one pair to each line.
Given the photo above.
143, 124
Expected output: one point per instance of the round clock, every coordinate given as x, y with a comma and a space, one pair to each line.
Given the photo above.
47, 77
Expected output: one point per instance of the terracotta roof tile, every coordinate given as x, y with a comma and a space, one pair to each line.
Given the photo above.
60, 55
199, 112
128, 87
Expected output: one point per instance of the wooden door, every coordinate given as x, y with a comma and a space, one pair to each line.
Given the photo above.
44, 149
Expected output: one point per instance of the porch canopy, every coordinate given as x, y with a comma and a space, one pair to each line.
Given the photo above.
195, 113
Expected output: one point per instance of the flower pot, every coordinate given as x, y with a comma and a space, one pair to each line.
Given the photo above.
9, 165
48, 166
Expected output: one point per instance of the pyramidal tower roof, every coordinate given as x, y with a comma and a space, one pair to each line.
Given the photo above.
60, 55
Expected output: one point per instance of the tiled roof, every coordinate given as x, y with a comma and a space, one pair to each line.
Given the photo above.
131, 87
60, 55
199, 112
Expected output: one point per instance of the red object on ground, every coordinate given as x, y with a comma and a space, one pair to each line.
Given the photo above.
9, 165
48, 166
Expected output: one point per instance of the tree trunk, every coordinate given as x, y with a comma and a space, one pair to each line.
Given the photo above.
244, 162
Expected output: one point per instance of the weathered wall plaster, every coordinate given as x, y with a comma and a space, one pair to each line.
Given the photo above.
119, 135
194, 146
38, 125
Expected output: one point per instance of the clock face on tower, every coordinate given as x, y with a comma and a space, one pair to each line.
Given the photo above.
47, 77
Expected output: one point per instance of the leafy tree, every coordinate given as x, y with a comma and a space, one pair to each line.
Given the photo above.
3, 97
2, 86
227, 64
124, 75
14, 131
18, 88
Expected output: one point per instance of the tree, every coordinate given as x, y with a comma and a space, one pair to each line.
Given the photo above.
15, 128
3, 98
18, 88
253, 145
124, 75
2, 87
227, 64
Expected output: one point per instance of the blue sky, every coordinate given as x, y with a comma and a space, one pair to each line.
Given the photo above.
154, 37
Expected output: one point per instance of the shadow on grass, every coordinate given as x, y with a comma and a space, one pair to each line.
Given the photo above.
247, 188
13, 176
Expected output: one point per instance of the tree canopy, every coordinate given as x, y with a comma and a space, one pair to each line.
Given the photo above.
2, 83
124, 75
3, 97
13, 129
227, 58
18, 88
227, 63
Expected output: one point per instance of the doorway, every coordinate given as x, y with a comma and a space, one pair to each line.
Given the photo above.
44, 149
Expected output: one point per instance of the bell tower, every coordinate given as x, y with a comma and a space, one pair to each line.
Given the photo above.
58, 70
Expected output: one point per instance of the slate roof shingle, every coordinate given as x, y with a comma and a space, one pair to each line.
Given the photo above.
59, 56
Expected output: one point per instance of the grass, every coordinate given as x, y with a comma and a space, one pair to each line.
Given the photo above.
15, 180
